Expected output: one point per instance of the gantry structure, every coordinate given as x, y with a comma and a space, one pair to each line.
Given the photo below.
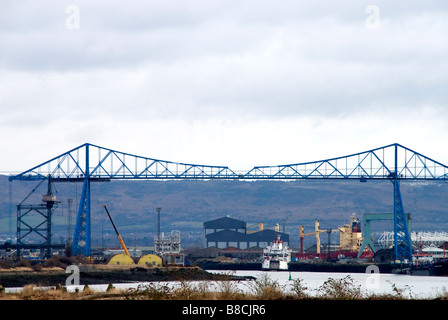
89, 163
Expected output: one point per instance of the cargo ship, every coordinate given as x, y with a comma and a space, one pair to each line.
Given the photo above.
430, 261
276, 256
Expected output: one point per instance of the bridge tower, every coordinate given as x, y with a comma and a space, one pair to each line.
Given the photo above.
88, 163
82, 237
34, 220
402, 239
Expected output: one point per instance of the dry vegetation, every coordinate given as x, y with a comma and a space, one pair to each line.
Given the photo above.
263, 288
53, 262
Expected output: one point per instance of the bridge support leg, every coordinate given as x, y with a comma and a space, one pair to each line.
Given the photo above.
367, 238
81, 238
402, 239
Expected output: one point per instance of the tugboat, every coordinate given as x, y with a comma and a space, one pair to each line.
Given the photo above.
276, 256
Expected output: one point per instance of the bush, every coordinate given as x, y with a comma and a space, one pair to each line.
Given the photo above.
37, 267
187, 291
6, 264
23, 263
63, 262
298, 289
265, 288
340, 289
149, 292
229, 291
58, 261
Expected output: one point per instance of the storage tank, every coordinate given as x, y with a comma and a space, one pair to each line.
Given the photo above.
150, 260
121, 259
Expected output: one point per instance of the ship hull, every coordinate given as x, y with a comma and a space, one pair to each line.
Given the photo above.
438, 268
274, 265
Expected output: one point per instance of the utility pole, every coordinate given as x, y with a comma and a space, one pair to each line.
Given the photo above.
158, 210
158, 243
70, 204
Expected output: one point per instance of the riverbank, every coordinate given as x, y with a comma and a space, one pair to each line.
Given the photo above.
299, 266
105, 274
309, 286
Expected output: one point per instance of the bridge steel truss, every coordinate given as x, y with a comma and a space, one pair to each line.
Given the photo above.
88, 163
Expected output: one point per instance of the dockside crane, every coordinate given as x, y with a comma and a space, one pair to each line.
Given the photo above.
116, 231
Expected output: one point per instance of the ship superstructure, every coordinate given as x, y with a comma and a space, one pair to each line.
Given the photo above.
276, 256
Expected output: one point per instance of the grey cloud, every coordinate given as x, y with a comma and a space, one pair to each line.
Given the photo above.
215, 58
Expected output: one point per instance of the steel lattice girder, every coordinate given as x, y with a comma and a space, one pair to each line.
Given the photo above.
110, 164
89, 162
380, 163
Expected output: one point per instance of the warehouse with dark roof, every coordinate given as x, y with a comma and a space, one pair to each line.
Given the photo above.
228, 232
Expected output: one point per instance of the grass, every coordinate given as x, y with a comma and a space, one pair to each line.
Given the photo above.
263, 288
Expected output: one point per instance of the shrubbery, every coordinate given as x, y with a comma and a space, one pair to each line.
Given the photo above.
54, 261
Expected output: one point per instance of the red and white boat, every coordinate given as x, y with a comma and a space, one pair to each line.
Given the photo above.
276, 256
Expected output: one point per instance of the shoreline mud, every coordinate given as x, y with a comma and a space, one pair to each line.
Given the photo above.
105, 274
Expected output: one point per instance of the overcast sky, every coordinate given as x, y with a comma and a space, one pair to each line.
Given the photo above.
237, 83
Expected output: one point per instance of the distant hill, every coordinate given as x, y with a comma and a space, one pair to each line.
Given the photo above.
186, 205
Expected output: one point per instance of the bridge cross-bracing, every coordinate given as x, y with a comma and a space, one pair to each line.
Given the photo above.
96, 162
90, 162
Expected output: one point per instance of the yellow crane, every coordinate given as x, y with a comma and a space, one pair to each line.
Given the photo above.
317, 232
118, 235
350, 235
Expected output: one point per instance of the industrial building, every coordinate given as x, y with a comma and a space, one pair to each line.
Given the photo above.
228, 232
169, 249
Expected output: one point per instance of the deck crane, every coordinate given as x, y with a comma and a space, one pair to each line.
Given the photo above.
317, 232
329, 232
118, 235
